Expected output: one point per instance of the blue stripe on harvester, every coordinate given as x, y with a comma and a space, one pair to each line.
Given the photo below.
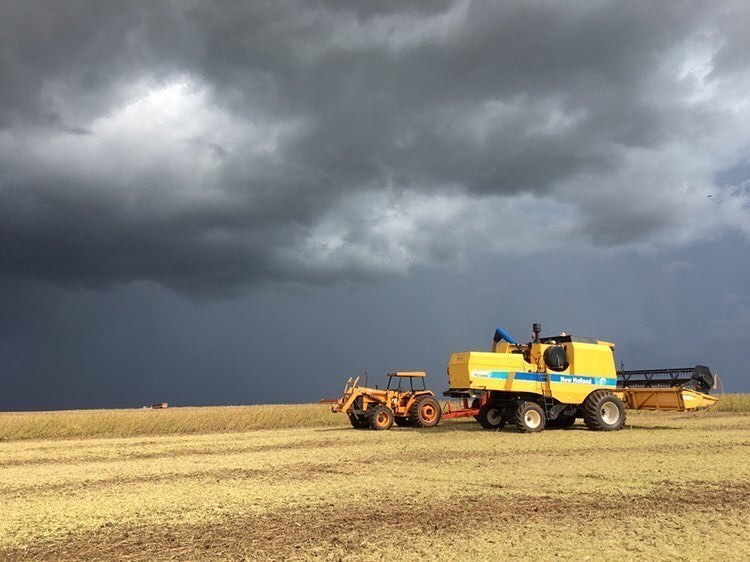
541, 377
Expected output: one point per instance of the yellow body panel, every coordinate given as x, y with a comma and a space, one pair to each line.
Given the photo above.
591, 366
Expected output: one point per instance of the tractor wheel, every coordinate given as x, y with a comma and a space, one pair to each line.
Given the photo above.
491, 417
381, 417
563, 422
359, 422
603, 411
529, 417
425, 412
403, 421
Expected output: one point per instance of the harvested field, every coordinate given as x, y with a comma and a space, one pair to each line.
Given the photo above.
670, 486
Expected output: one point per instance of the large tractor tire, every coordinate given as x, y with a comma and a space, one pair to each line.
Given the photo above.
529, 418
425, 412
381, 417
603, 411
359, 422
491, 417
403, 421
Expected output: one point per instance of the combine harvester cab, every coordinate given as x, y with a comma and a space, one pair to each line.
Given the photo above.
552, 381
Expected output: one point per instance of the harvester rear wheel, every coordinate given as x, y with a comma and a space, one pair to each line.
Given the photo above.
381, 417
403, 421
359, 422
529, 417
603, 411
491, 417
425, 412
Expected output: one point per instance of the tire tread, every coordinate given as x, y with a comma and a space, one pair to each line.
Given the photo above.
414, 411
519, 414
591, 415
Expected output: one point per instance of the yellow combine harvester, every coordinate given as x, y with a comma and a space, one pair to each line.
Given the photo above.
552, 381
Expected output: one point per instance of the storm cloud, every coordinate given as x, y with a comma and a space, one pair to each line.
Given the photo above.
237, 202
209, 148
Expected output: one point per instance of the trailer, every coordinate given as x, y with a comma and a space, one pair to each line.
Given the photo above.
552, 381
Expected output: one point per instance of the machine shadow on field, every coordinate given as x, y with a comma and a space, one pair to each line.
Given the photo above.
467, 426
651, 428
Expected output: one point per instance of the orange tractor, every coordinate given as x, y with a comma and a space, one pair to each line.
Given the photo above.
380, 408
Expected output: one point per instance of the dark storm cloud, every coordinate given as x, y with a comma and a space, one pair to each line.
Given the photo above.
208, 147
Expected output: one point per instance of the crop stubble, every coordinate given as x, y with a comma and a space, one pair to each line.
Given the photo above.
671, 486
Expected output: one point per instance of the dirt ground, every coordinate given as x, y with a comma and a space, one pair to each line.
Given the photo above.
669, 486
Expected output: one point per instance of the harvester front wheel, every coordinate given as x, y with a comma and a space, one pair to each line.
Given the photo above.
491, 417
359, 422
529, 418
381, 417
425, 412
603, 411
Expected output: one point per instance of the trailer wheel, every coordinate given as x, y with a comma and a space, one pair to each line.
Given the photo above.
381, 417
491, 417
603, 411
359, 422
425, 412
529, 418
403, 421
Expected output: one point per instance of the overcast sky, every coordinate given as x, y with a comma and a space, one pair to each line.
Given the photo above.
243, 202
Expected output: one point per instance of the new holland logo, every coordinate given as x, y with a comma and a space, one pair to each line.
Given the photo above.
602, 381
580, 380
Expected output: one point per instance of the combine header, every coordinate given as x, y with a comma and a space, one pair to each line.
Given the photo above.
668, 389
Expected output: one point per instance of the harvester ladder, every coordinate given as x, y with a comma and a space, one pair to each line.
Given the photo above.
547, 401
